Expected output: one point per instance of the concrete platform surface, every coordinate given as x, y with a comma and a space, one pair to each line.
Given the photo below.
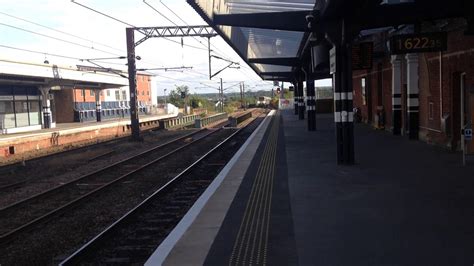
403, 203
68, 128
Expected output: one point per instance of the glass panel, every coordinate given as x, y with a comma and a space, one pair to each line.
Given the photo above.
254, 42
7, 116
253, 6
5, 91
21, 110
117, 95
124, 95
35, 114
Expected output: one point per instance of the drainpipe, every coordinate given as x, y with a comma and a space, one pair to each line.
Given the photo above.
440, 89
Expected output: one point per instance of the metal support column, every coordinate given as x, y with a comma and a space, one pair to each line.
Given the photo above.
343, 113
46, 105
98, 108
412, 97
347, 105
222, 96
311, 104
132, 81
396, 95
301, 104
295, 97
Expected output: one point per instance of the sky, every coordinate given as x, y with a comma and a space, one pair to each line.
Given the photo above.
62, 27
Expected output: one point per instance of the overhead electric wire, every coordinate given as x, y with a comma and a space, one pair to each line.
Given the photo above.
174, 13
128, 24
165, 17
38, 52
57, 39
60, 31
103, 14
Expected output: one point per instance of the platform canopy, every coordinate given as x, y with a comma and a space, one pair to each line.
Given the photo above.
25, 73
270, 52
273, 36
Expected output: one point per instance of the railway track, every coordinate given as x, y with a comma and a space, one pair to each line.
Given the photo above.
133, 237
25, 214
16, 175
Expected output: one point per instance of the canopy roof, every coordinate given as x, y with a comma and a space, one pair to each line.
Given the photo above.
272, 36
256, 43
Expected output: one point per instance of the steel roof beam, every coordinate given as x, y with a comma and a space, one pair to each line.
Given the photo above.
290, 20
280, 61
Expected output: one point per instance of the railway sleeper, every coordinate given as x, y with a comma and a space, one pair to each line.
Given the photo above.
173, 208
151, 241
180, 203
165, 215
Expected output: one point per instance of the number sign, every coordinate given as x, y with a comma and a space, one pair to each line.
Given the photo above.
418, 43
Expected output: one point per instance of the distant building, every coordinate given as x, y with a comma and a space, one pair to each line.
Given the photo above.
31, 94
35, 96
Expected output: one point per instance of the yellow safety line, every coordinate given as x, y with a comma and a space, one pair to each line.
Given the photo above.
268, 209
261, 199
248, 212
255, 197
258, 207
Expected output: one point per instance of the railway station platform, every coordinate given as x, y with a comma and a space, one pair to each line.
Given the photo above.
282, 200
26, 145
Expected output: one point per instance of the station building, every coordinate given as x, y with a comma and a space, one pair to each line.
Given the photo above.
35, 96
79, 104
427, 96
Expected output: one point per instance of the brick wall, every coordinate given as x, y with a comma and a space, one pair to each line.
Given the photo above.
84, 95
64, 106
378, 91
143, 88
459, 58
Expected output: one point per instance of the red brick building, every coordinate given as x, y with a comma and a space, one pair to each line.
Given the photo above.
70, 102
430, 84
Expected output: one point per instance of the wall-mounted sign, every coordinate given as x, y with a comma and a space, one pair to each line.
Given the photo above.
468, 133
418, 43
362, 54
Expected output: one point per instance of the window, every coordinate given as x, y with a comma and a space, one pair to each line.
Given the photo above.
143, 93
148, 93
431, 110
7, 114
108, 92
362, 88
34, 112
117, 95
19, 106
21, 111
83, 92
124, 95
91, 92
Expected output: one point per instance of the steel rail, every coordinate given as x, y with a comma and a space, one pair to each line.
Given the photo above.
59, 153
8, 236
79, 253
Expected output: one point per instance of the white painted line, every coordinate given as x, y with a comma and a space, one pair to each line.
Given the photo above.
162, 252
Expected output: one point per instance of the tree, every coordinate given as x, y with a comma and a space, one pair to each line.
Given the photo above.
175, 95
